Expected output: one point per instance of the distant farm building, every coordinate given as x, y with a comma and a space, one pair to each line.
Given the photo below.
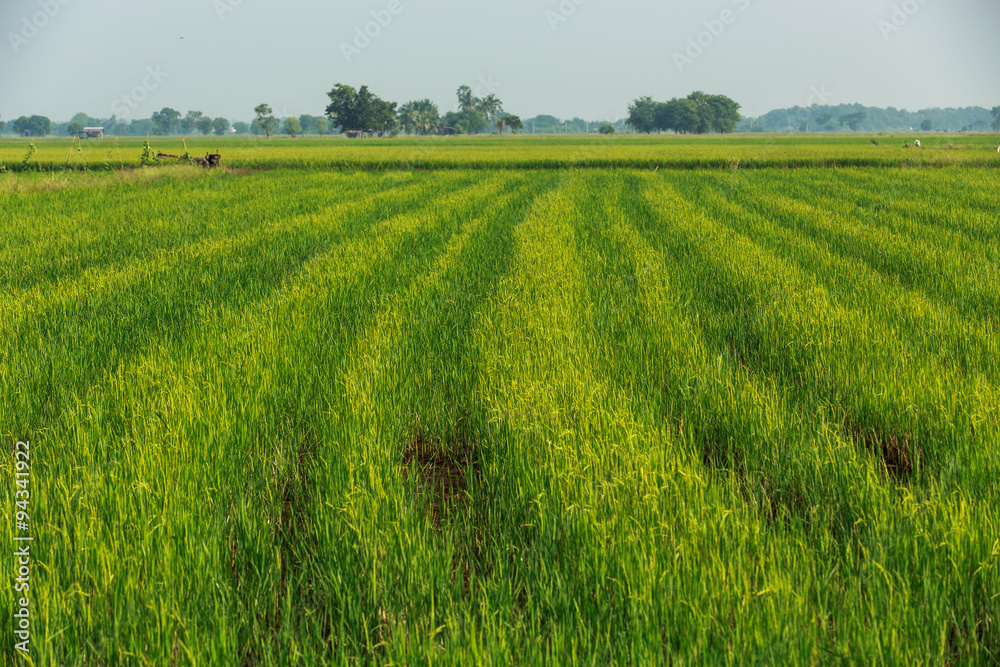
92, 133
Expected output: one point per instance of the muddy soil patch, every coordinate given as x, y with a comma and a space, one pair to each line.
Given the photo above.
896, 452
440, 472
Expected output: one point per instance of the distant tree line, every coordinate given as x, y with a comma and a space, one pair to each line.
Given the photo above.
698, 113
418, 117
859, 118
547, 124
167, 122
164, 122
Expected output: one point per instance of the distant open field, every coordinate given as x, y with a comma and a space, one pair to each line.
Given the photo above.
527, 151
333, 405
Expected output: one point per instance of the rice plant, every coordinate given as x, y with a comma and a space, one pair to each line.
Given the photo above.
346, 409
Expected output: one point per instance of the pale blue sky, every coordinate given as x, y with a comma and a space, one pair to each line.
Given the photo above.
237, 53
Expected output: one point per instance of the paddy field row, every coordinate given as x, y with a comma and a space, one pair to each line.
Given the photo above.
507, 416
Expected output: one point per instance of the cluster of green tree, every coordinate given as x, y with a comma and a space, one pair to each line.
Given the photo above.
360, 110
859, 118
265, 123
475, 115
697, 113
356, 112
420, 117
170, 121
310, 124
35, 126
996, 118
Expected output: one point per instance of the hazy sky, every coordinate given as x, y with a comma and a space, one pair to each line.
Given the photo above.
567, 58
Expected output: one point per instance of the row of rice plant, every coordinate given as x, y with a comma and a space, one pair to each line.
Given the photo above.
572, 416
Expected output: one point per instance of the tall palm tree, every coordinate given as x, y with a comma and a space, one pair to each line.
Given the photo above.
419, 117
406, 119
492, 107
427, 116
465, 98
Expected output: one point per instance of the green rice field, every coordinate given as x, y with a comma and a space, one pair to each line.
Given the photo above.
647, 400
745, 151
